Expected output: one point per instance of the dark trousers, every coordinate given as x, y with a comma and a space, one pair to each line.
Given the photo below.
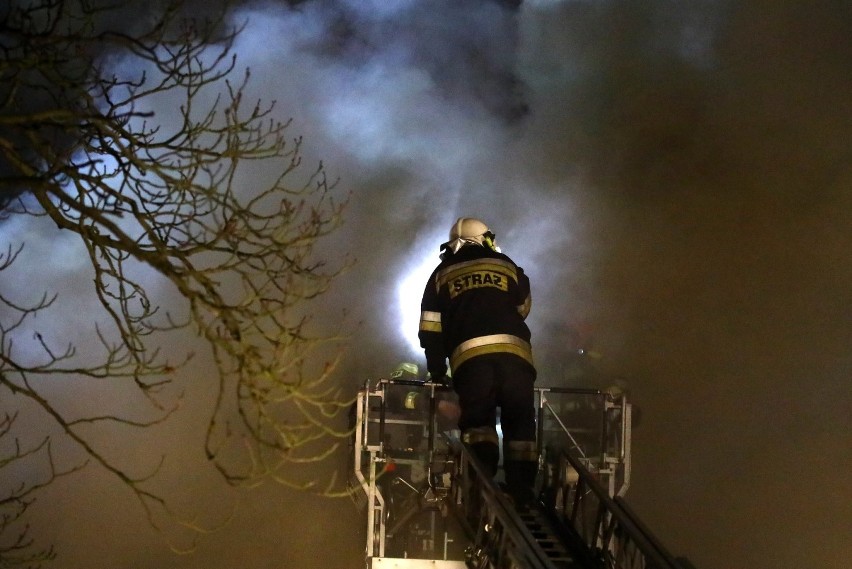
485, 383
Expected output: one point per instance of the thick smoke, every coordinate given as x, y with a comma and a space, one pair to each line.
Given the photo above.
675, 178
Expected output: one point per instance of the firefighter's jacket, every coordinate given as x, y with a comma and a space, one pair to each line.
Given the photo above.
475, 303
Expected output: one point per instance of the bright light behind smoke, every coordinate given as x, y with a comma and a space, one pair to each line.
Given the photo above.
409, 292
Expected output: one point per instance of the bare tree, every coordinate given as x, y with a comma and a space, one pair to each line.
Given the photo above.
17, 547
81, 144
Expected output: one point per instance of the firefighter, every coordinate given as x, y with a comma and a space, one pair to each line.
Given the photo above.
473, 312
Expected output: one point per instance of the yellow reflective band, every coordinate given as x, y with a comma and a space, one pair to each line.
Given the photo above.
430, 321
481, 435
411, 400
521, 450
478, 279
493, 344
494, 268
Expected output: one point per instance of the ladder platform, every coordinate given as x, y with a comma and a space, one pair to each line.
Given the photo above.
402, 563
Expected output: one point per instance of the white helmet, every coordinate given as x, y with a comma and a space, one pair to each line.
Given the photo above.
469, 230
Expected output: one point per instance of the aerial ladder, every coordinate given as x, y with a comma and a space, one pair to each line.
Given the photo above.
429, 504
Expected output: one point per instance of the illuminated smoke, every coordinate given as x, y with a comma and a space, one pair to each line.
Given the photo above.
679, 187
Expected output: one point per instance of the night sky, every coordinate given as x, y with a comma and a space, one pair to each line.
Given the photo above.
676, 178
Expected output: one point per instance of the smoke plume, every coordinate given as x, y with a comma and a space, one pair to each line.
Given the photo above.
675, 178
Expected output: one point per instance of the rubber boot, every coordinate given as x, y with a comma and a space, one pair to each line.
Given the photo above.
520, 481
488, 455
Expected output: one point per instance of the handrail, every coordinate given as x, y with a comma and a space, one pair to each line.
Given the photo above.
500, 538
590, 516
616, 534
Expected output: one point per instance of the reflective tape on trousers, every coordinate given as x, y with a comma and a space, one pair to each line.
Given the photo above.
476, 435
521, 450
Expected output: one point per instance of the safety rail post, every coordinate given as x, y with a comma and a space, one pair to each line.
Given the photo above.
375, 501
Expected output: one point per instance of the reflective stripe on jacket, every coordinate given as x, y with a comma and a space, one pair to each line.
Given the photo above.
493, 344
475, 303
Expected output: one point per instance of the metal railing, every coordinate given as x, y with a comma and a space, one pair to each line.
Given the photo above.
584, 439
594, 517
603, 525
592, 425
499, 537
402, 472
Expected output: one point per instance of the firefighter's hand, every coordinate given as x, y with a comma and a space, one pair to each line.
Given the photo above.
450, 410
